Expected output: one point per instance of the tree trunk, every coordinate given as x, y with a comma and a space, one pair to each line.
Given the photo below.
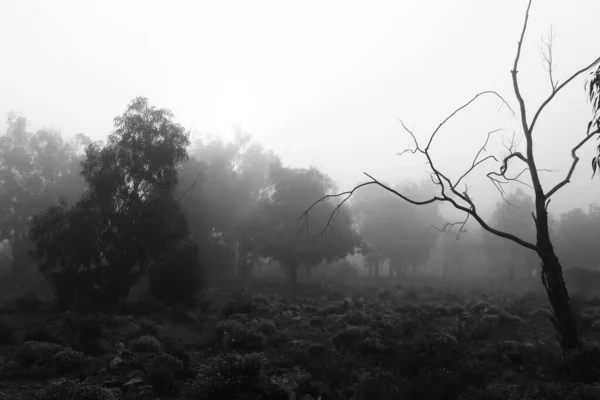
414, 271
554, 282
552, 276
390, 272
376, 267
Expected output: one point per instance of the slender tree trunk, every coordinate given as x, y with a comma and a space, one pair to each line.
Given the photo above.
554, 282
376, 267
390, 272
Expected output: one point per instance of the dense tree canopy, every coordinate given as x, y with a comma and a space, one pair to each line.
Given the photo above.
320, 238
129, 216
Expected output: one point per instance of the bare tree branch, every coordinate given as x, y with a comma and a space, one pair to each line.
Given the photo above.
573, 165
449, 189
546, 52
491, 92
475, 163
447, 228
559, 87
514, 73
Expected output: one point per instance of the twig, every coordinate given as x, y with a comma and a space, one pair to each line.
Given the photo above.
546, 51
573, 165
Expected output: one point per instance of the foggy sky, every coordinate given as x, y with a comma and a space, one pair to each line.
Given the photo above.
320, 83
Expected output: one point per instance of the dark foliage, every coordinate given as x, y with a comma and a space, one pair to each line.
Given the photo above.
177, 278
92, 252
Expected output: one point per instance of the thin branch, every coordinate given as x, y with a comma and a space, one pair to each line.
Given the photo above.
559, 87
475, 163
447, 228
573, 165
469, 211
417, 148
463, 107
546, 51
483, 148
514, 74
473, 167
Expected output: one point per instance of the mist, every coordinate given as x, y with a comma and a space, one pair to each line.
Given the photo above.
273, 201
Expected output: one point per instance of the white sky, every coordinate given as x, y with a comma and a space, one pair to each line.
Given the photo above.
319, 82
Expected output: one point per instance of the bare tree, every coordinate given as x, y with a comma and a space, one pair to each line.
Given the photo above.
449, 191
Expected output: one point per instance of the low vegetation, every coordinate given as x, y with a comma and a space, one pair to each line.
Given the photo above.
323, 340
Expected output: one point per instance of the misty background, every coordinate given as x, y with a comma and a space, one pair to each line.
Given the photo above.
321, 84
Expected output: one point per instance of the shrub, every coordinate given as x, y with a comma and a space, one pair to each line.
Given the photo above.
239, 304
62, 359
146, 344
74, 390
356, 317
163, 371
350, 337
237, 336
584, 363
66, 360
230, 373
32, 352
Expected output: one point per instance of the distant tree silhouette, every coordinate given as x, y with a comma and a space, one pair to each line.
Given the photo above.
400, 232
36, 168
293, 190
512, 215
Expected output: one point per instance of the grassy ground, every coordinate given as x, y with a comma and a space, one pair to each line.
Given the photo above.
355, 340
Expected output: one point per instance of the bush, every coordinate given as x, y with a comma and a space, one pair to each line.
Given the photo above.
228, 374
66, 360
32, 352
146, 344
61, 359
233, 335
239, 304
179, 279
163, 372
74, 390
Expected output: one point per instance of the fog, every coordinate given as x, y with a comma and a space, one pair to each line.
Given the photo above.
320, 88
215, 198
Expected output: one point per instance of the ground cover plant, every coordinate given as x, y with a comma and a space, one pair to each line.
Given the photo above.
354, 340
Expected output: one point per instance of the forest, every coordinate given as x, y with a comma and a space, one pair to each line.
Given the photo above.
168, 263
